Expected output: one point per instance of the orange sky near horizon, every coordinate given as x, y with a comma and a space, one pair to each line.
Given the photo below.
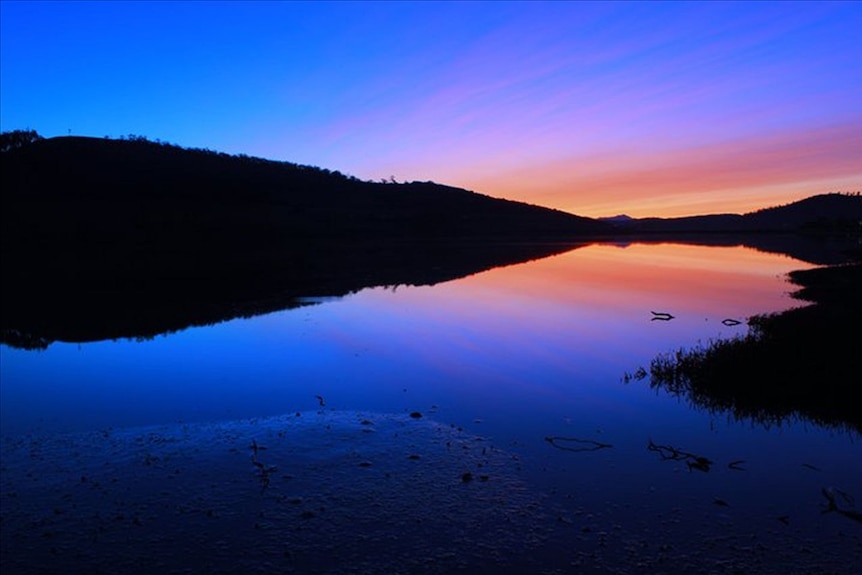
645, 108
735, 176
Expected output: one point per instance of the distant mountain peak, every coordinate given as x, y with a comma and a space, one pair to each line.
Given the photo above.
618, 218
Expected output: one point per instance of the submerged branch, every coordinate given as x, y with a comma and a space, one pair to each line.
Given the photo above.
801, 363
589, 444
693, 461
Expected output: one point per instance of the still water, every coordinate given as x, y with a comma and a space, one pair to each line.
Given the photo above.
509, 357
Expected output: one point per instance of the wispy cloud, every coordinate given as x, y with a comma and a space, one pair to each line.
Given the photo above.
726, 176
578, 105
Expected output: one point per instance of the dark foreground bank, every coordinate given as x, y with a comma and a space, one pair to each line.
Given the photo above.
802, 363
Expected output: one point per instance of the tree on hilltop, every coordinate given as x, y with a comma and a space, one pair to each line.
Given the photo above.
17, 139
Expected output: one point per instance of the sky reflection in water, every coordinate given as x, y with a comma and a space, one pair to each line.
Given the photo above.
545, 340
515, 355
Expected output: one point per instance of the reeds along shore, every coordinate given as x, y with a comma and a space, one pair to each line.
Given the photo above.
802, 363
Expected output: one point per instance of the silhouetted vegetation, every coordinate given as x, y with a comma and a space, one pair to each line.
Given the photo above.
110, 238
802, 363
17, 139
131, 187
106, 238
833, 215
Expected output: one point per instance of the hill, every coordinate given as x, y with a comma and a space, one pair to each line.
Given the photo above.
131, 238
825, 214
119, 188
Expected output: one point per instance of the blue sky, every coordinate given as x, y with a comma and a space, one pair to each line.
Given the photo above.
596, 108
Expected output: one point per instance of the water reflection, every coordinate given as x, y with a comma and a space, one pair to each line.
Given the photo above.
144, 299
515, 336
799, 363
514, 355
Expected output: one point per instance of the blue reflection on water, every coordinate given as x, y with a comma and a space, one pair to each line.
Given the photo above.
515, 354
517, 347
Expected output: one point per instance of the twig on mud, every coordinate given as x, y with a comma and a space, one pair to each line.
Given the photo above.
832, 506
594, 445
691, 460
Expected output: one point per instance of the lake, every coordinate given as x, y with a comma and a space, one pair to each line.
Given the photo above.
480, 424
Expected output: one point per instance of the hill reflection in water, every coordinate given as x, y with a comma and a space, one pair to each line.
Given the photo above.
146, 298
45, 302
578, 318
503, 359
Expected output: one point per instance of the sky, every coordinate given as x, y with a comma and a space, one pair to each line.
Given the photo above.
595, 108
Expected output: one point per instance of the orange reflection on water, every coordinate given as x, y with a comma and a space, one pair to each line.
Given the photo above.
556, 326
736, 281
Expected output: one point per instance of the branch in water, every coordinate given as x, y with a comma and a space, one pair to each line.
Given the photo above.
592, 445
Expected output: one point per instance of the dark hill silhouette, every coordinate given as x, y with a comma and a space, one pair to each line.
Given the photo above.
137, 186
131, 238
798, 363
621, 218
825, 214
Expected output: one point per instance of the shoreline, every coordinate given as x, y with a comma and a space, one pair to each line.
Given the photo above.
802, 362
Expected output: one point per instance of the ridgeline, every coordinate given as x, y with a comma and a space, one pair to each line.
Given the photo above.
141, 192
106, 238
130, 238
